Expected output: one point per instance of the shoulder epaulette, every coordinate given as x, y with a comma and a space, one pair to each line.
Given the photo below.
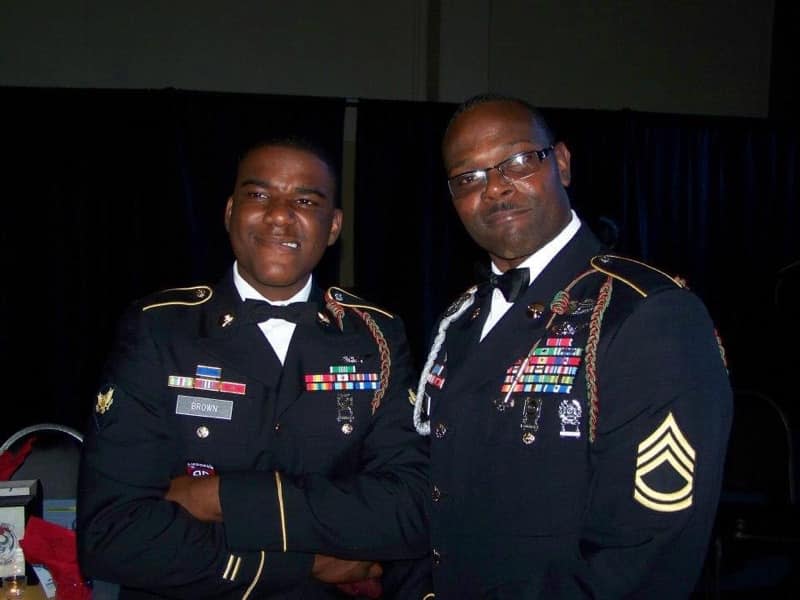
643, 278
345, 299
186, 296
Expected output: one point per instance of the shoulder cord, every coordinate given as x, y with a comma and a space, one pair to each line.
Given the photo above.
383, 348
721, 348
385, 354
599, 311
559, 306
424, 427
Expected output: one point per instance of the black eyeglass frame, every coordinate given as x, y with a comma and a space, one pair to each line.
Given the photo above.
541, 154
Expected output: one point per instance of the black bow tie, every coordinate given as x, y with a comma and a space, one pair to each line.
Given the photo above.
257, 311
512, 283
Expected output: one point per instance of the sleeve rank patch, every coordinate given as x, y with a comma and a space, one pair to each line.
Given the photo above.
669, 449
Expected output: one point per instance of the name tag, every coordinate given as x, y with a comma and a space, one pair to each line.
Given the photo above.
211, 408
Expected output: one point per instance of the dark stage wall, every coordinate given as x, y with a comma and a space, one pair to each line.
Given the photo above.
110, 195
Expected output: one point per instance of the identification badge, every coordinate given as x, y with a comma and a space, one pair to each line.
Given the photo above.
211, 408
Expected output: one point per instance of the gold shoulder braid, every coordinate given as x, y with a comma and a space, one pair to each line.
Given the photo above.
337, 300
185, 296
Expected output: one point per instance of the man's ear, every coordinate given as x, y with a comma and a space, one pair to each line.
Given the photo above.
336, 226
228, 210
563, 162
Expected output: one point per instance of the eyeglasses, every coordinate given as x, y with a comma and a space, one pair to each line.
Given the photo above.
513, 168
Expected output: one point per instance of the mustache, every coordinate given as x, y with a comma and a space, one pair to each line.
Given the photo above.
500, 207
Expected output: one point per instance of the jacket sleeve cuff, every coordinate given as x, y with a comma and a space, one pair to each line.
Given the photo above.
253, 511
285, 570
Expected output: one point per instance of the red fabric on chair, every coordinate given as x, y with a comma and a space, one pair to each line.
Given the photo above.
55, 547
11, 461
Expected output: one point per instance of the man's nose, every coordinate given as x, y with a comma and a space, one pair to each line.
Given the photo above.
279, 209
497, 184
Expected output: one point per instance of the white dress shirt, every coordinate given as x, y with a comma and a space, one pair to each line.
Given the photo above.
535, 264
277, 331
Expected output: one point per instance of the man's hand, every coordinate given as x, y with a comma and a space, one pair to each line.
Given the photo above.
198, 495
338, 570
369, 588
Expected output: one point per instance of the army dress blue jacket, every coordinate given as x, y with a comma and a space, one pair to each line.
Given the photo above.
318, 455
577, 450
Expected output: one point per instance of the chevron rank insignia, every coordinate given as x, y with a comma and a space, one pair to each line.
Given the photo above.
664, 480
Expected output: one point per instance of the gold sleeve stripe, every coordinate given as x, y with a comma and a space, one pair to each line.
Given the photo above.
232, 568
670, 424
257, 577
228, 566
667, 444
660, 506
666, 497
236, 568
279, 486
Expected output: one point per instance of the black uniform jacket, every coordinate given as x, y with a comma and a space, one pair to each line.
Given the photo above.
311, 458
598, 476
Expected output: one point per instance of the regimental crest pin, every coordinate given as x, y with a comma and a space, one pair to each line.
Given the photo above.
104, 401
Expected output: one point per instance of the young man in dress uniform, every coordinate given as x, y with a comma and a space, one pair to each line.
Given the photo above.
254, 439
577, 403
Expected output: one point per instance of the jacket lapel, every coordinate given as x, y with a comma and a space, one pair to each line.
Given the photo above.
244, 347
304, 340
513, 336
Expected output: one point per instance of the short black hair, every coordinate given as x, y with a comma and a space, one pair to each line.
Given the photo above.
485, 98
304, 144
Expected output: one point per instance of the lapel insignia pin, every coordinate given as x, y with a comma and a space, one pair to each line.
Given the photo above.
226, 320
535, 310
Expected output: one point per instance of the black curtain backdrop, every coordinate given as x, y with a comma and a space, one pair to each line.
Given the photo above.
108, 196
714, 200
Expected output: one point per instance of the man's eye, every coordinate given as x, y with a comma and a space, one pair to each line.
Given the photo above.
306, 201
467, 179
257, 195
521, 160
